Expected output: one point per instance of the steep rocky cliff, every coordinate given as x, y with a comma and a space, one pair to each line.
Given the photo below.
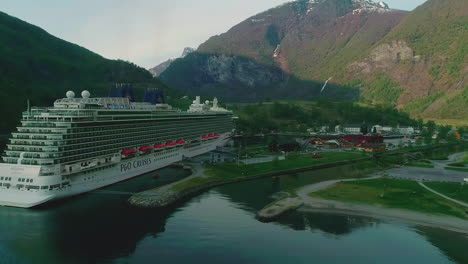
415, 61
295, 47
424, 60
241, 79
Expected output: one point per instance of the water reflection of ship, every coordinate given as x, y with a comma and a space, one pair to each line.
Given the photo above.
87, 228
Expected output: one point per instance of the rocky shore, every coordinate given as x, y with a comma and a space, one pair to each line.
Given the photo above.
278, 208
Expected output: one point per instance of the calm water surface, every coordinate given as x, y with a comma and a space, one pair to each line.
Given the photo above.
216, 227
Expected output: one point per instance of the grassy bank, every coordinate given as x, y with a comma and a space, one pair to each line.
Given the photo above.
453, 190
420, 165
457, 169
231, 171
392, 194
463, 162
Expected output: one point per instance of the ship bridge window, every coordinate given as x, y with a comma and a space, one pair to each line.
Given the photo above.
44, 187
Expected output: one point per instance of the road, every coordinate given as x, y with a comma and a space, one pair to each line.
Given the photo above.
438, 173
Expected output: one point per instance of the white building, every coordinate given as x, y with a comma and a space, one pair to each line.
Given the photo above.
405, 130
352, 129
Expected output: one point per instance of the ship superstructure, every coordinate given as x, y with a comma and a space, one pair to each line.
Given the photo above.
81, 144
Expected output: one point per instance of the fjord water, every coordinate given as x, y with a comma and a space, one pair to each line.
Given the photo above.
216, 227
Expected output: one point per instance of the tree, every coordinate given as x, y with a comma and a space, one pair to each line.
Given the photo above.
462, 130
429, 132
451, 138
443, 131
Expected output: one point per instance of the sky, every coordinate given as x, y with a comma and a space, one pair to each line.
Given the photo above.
145, 32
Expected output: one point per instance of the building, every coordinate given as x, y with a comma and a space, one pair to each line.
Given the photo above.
405, 130
455, 134
359, 139
382, 129
352, 129
218, 156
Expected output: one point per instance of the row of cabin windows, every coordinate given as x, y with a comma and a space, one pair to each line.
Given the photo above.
98, 169
35, 187
199, 128
167, 157
147, 134
119, 138
5, 178
112, 149
25, 180
165, 124
160, 130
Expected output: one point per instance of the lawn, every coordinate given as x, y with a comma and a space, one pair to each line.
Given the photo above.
229, 171
457, 169
391, 193
290, 163
456, 191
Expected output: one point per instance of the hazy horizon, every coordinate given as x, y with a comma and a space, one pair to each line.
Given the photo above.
145, 32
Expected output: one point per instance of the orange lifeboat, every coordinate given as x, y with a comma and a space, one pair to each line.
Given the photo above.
128, 153
146, 149
159, 147
171, 144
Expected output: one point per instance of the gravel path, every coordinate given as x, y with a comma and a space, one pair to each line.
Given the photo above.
441, 164
444, 196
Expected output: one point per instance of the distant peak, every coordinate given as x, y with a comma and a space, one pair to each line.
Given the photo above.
366, 4
370, 4
187, 51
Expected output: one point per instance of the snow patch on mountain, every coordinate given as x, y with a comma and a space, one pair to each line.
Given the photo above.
157, 70
369, 6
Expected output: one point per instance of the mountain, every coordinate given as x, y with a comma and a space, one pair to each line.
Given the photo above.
422, 63
285, 52
38, 66
415, 61
157, 70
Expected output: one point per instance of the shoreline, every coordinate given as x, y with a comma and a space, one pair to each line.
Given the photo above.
388, 214
318, 205
166, 196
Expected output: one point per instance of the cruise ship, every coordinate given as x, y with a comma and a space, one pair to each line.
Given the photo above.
82, 144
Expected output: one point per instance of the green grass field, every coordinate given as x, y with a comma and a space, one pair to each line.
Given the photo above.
454, 190
392, 194
229, 171
457, 169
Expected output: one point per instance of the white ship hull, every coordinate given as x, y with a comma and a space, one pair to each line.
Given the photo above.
59, 187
